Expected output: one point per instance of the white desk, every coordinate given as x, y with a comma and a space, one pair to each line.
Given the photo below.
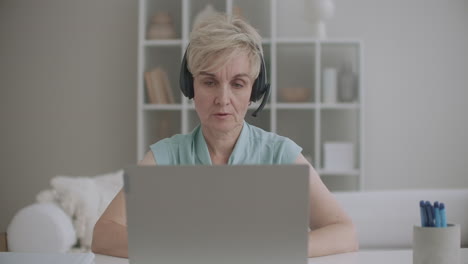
381, 257
361, 257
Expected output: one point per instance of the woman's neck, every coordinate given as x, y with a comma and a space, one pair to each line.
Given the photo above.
221, 144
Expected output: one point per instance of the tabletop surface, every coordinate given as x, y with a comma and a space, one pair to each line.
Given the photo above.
361, 257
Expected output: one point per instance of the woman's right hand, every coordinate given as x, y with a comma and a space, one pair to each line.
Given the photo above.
110, 235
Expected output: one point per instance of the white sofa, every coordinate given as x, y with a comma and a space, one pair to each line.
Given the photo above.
63, 219
385, 219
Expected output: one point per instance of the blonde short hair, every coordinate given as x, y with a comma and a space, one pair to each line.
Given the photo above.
217, 39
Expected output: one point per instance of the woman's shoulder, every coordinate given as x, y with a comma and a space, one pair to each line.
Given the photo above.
272, 141
267, 137
176, 139
148, 159
171, 144
172, 150
273, 148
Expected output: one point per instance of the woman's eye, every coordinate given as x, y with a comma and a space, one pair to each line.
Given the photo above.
238, 85
209, 83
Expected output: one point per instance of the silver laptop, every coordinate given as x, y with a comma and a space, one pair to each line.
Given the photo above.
256, 214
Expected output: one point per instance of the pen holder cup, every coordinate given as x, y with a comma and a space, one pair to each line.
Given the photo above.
436, 245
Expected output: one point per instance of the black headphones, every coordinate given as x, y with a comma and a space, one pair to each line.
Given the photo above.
259, 88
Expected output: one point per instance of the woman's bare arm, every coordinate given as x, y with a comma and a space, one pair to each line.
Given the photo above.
332, 229
110, 232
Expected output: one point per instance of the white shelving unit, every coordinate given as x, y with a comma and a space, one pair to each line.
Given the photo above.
293, 58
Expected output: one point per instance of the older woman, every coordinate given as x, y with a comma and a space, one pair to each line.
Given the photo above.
223, 71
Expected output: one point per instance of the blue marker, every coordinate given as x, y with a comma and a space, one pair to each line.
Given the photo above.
443, 217
437, 215
422, 211
430, 214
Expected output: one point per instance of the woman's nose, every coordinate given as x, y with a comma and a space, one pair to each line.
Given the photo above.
222, 96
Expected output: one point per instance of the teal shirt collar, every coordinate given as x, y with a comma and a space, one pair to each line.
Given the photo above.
201, 149
203, 155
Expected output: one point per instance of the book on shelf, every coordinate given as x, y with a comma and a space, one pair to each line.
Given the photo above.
169, 96
152, 99
158, 87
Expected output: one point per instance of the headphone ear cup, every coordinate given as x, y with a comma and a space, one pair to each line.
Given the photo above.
186, 79
260, 86
255, 89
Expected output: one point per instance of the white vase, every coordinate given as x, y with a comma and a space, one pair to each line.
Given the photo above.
347, 85
317, 12
329, 85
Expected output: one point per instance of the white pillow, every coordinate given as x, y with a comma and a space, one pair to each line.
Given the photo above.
84, 199
41, 227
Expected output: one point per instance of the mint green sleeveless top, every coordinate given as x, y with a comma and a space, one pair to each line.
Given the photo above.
254, 146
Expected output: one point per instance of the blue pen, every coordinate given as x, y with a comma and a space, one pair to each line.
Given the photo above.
437, 215
443, 217
430, 214
422, 211
426, 215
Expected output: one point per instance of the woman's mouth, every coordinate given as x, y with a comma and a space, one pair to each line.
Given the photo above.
222, 115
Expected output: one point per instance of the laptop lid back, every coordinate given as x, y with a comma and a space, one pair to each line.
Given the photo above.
217, 214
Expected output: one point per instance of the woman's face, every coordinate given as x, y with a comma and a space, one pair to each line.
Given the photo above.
222, 98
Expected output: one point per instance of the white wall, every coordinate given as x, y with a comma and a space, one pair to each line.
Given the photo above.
67, 93
68, 96
416, 88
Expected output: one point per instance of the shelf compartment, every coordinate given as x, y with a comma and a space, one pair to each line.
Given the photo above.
164, 57
338, 125
343, 57
173, 8
257, 13
160, 124
303, 134
295, 73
